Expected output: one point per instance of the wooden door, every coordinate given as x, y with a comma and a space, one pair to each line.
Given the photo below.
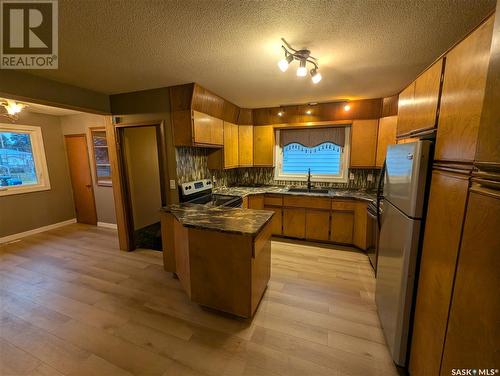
276, 222
473, 335
443, 229
294, 222
317, 224
81, 179
263, 145
386, 136
342, 227
462, 97
363, 143
245, 145
427, 97
406, 108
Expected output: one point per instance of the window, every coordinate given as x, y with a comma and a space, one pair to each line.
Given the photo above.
23, 167
323, 150
102, 167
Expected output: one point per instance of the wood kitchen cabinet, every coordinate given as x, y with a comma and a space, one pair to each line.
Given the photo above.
294, 222
207, 130
277, 220
386, 136
263, 146
317, 224
363, 143
245, 145
462, 96
256, 202
418, 103
230, 145
443, 229
473, 335
342, 227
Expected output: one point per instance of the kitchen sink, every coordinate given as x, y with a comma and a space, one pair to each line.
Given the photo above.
305, 190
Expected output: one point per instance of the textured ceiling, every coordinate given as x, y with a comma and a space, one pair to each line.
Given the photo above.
366, 48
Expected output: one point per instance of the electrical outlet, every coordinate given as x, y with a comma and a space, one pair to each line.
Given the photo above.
351, 175
172, 184
369, 177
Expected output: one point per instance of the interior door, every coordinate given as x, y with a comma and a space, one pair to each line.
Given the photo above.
81, 178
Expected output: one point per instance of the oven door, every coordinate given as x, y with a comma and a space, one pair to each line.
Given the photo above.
372, 229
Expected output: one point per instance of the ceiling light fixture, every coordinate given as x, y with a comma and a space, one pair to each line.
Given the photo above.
12, 108
280, 113
308, 112
304, 57
347, 107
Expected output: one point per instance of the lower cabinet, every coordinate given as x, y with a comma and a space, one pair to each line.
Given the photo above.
276, 221
342, 227
317, 224
294, 222
256, 202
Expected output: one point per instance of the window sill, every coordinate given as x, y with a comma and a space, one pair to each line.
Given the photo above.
22, 190
314, 179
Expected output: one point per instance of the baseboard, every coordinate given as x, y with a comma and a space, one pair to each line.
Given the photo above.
107, 225
20, 235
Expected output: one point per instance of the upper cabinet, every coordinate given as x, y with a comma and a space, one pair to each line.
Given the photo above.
263, 146
418, 103
462, 96
230, 145
386, 136
363, 143
207, 130
245, 145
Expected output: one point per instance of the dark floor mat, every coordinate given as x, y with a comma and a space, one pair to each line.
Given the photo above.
149, 237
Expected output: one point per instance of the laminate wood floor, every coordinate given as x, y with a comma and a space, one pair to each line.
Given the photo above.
72, 304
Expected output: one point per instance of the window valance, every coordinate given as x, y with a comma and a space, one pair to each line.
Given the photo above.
313, 137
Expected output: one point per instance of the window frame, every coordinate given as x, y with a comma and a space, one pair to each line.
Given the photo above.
39, 158
319, 178
98, 182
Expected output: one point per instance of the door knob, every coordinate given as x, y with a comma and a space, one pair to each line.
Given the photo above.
88, 185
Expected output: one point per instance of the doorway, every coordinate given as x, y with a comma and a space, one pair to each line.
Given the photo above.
81, 178
140, 152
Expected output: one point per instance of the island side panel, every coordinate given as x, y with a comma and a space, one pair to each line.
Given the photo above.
182, 260
221, 270
167, 237
261, 265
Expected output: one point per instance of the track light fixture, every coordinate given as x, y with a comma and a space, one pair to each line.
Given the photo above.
304, 57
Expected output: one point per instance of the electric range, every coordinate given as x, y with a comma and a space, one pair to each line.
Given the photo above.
200, 192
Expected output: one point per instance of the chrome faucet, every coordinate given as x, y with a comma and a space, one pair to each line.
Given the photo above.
309, 185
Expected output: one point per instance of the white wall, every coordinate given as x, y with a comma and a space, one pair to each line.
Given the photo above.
80, 124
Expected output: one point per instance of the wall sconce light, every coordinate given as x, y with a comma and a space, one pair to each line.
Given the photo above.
12, 108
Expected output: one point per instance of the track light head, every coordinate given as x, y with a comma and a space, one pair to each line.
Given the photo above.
315, 75
283, 63
302, 70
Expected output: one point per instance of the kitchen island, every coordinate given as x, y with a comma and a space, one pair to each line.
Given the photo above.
222, 256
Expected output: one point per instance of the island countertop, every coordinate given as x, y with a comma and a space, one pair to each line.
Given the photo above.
223, 219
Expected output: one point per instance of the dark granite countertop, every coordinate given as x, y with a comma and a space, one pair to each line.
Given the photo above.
334, 193
233, 220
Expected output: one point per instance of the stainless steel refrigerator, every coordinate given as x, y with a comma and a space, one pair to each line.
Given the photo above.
404, 194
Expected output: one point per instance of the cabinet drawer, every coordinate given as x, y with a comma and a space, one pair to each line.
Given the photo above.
307, 202
294, 222
273, 200
317, 224
276, 221
343, 205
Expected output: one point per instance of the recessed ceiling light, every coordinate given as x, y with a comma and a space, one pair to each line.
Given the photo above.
308, 112
280, 113
347, 107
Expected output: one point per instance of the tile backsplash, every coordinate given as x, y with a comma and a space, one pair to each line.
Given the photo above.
192, 165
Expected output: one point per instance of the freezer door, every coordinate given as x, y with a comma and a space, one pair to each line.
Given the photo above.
405, 176
398, 248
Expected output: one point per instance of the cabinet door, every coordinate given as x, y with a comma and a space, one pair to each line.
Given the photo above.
256, 202
406, 116
276, 222
386, 136
245, 145
230, 145
342, 227
363, 143
462, 97
294, 222
317, 224
443, 228
473, 335
263, 145
207, 129
427, 97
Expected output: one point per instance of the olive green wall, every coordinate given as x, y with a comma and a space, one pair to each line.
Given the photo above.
28, 211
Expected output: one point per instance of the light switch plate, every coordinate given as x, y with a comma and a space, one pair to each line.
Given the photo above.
172, 184
369, 177
351, 175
